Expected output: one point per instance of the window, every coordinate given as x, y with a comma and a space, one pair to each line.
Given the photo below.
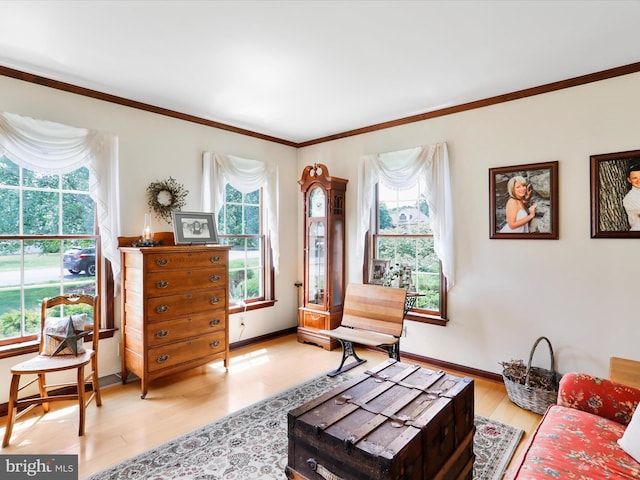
47, 244
403, 235
240, 225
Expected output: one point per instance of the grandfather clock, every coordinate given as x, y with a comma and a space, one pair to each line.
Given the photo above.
324, 238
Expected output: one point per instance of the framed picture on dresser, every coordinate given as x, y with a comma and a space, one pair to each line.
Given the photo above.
194, 228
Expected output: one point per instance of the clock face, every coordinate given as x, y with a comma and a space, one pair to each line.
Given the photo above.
164, 198
316, 203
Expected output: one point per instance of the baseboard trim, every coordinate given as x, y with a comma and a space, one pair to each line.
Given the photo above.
404, 356
452, 366
262, 338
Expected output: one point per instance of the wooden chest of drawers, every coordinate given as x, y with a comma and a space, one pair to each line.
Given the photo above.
174, 309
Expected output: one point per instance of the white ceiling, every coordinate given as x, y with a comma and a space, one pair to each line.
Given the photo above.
302, 70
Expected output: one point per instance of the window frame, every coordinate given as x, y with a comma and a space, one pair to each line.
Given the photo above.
29, 343
438, 317
267, 298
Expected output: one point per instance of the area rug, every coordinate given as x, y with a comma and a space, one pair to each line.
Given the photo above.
252, 444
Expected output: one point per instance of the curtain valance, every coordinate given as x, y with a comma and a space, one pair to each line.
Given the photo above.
245, 175
403, 169
51, 147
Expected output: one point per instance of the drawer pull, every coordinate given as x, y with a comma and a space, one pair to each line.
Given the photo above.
162, 358
214, 344
161, 261
162, 333
214, 300
214, 323
214, 278
215, 258
162, 308
162, 284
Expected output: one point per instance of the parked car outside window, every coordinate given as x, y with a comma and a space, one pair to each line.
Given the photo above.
78, 260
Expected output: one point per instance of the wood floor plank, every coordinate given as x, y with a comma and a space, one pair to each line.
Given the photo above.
126, 425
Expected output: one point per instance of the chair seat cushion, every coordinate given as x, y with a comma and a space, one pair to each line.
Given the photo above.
363, 337
57, 327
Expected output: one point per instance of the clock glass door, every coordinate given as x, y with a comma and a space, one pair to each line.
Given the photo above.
317, 266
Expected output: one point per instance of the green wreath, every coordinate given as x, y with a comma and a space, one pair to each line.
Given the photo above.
165, 196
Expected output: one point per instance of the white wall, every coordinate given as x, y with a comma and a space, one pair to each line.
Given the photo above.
581, 293
154, 147
578, 291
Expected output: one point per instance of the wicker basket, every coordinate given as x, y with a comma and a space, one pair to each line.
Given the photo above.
532, 398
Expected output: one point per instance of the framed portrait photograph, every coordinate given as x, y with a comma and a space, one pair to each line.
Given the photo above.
378, 271
523, 201
193, 228
615, 195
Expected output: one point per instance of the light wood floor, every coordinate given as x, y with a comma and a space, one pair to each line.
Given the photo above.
126, 425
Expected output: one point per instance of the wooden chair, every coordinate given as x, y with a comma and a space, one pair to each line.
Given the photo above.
45, 364
373, 316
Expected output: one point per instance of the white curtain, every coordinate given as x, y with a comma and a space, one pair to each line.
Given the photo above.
403, 169
56, 148
245, 175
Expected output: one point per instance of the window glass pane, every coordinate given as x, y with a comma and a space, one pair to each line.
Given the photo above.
252, 197
77, 180
402, 211
78, 217
41, 262
39, 179
9, 172
254, 252
233, 221
222, 225
40, 213
252, 220
79, 260
232, 195
237, 269
429, 285
9, 212
253, 283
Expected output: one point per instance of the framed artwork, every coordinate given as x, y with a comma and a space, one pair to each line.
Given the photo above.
615, 195
523, 201
194, 228
378, 271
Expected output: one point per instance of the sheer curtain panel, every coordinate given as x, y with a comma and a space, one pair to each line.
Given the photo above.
403, 169
245, 175
51, 147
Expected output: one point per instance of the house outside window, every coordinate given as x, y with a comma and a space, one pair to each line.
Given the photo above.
47, 244
402, 235
240, 225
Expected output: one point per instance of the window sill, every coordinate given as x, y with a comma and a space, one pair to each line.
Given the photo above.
424, 318
252, 306
24, 348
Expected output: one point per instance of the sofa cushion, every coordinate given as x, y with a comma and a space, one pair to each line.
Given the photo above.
599, 396
630, 441
573, 444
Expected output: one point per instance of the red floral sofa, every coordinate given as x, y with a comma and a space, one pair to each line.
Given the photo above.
578, 437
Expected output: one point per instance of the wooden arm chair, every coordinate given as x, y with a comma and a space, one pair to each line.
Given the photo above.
60, 349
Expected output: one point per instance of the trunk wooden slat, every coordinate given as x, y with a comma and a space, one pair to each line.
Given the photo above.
396, 421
